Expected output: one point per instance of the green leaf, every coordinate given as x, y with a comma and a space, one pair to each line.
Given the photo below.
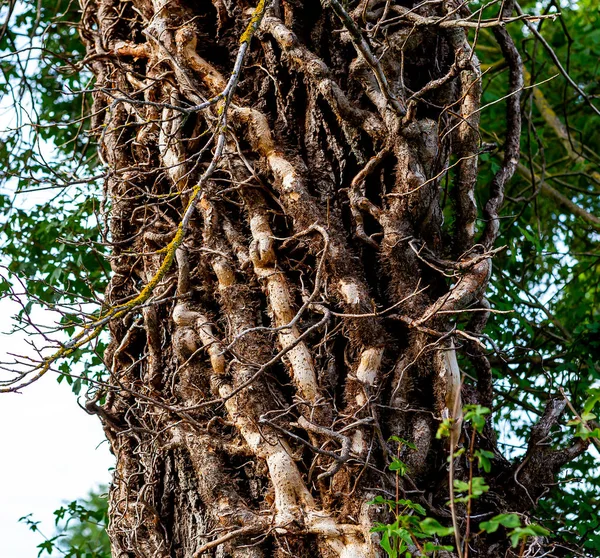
472, 491
461, 486
398, 466
378, 527
587, 434
593, 398
413, 506
402, 442
76, 386
444, 429
522, 533
475, 414
47, 546
380, 500
484, 458
403, 535
478, 486
386, 544
456, 454
431, 526
509, 520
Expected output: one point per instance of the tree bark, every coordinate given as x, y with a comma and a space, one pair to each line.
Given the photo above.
286, 289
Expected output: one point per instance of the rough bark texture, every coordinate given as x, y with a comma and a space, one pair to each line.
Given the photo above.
303, 287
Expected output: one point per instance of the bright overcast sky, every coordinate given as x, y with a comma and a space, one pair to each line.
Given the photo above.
52, 452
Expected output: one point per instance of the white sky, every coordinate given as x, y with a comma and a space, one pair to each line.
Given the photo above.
51, 452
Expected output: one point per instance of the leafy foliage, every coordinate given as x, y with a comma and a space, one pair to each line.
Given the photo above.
409, 528
80, 529
547, 277
548, 274
49, 197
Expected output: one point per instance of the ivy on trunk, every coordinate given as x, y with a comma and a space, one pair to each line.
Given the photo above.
300, 254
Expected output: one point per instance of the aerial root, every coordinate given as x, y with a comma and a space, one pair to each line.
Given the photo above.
317, 71
450, 377
358, 200
194, 327
278, 293
466, 138
345, 442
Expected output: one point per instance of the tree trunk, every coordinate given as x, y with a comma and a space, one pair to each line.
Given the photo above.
291, 195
